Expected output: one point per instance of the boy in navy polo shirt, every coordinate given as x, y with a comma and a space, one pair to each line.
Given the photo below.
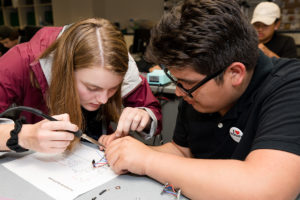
237, 130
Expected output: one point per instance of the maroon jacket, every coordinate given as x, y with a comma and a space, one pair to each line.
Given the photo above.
16, 87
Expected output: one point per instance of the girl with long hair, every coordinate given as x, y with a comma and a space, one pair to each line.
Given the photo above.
82, 70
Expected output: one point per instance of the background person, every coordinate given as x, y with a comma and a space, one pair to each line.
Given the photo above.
236, 134
76, 70
266, 20
9, 37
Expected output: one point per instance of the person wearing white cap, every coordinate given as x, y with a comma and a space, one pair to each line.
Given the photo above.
266, 20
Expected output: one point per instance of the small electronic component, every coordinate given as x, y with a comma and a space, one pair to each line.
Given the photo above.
102, 192
99, 163
169, 189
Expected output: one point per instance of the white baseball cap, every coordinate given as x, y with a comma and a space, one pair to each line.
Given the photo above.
266, 12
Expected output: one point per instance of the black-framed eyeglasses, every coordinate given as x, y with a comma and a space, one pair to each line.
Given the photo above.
190, 91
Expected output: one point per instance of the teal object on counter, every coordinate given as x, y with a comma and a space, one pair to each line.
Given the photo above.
158, 77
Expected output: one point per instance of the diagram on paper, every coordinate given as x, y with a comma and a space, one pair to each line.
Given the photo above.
63, 176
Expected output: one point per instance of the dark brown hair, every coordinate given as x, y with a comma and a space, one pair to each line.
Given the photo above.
206, 35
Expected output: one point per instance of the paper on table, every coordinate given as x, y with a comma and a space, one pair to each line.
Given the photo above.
63, 176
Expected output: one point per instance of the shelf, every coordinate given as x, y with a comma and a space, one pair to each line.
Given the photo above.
1, 18
26, 6
44, 4
24, 13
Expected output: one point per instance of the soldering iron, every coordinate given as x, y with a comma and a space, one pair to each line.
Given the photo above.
37, 112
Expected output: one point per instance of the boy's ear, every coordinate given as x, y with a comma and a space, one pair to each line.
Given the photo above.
236, 72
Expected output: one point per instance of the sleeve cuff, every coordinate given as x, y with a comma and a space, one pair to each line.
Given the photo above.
6, 121
153, 127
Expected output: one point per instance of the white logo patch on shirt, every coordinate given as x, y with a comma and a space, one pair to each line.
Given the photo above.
236, 134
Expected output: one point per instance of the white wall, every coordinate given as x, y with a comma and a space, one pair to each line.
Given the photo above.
68, 11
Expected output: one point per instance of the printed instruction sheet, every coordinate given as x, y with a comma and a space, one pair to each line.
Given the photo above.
63, 176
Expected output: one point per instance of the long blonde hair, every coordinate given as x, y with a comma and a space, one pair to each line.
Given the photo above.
84, 44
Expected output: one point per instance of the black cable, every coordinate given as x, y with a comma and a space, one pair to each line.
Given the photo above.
38, 113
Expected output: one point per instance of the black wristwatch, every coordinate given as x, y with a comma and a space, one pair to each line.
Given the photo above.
13, 142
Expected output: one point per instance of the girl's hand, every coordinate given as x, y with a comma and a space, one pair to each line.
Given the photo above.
132, 119
48, 136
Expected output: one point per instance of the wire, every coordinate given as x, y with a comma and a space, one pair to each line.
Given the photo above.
169, 189
38, 113
100, 162
28, 109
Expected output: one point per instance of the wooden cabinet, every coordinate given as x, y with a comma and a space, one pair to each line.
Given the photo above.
20, 13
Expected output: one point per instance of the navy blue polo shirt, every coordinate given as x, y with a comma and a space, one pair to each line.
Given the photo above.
284, 46
267, 116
